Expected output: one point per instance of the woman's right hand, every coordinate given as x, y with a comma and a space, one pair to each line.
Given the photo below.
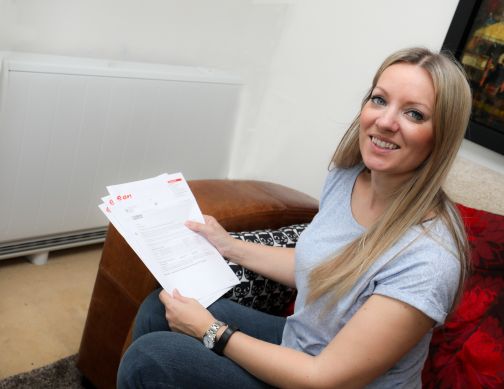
214, 233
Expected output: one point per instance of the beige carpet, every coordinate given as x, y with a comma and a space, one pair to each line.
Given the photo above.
43, 308
476, 186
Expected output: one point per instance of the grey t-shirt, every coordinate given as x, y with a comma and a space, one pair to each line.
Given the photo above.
421, 269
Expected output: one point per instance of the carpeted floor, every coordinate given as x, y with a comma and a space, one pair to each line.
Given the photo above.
43, 309
61, 374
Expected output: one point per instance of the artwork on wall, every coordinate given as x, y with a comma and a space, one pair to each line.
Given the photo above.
476, 38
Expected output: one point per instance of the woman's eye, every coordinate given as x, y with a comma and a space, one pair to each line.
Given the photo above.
418, 116
378, 100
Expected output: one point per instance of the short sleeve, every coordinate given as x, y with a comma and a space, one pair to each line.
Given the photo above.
425, 276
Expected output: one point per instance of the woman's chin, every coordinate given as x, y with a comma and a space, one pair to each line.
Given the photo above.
378, 166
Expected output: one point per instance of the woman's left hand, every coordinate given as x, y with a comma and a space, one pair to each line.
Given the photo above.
185, 315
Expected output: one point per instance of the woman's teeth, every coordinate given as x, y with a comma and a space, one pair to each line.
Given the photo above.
383, 144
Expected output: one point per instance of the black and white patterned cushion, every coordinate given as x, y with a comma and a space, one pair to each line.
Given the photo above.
254, 290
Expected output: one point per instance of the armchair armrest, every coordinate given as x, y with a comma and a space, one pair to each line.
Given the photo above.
123, 281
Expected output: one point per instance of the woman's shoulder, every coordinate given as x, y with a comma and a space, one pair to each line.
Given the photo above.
432, 249
342, 176
437, 237
336, 172
339, 180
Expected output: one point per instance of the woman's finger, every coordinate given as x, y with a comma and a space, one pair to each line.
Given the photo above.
193, 225
165, 297
177, 295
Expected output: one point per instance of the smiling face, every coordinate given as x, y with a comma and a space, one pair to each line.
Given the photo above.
396, 123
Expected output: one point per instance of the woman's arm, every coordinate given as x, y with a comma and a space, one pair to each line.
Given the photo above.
275, 263
377, 336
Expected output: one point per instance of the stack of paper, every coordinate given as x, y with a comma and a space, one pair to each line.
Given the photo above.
150, 215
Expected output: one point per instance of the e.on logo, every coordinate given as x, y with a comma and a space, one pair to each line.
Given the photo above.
119, 198
124, 197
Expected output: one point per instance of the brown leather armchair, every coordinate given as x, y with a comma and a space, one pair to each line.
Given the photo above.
123, 281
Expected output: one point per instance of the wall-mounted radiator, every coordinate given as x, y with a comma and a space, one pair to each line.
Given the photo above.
70, 126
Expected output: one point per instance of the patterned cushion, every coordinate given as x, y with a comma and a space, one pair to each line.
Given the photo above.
256, 291
468, 351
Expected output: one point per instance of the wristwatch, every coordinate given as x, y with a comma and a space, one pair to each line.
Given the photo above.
224, 338
209, 337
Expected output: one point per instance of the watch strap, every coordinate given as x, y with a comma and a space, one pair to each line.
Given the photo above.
224, 338
211, 333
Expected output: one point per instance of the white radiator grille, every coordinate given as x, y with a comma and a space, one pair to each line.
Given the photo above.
70, 127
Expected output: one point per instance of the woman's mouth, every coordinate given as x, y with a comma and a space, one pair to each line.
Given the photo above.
382, 144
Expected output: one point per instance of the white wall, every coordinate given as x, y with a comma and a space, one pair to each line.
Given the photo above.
238, 36
306, 63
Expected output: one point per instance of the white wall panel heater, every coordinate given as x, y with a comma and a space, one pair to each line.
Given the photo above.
71, 126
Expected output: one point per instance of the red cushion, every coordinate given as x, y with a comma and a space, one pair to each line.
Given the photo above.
485, 232
468, 351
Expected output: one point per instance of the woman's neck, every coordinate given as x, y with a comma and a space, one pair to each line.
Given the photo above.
383, 187
373, 193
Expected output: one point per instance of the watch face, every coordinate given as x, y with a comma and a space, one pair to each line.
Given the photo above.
209, 343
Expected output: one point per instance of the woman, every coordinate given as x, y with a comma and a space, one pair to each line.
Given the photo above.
381, 264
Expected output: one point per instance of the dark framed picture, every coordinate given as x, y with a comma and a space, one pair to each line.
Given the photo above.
476, 38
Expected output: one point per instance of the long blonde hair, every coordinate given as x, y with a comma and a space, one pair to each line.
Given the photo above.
421, 195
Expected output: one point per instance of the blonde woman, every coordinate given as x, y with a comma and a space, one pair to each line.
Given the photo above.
380, 266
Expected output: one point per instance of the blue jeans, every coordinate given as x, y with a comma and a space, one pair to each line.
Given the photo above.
159, 358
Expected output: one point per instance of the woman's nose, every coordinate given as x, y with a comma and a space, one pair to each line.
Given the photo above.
388, 120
